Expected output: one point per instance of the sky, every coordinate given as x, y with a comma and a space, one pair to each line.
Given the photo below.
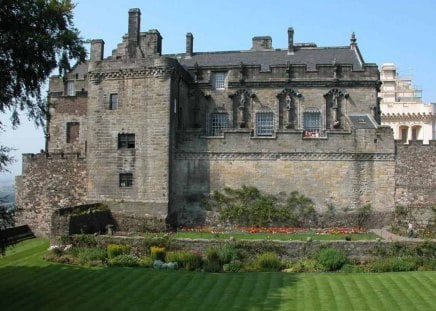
387, 31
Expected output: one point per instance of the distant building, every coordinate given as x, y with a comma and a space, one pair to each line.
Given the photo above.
402, 108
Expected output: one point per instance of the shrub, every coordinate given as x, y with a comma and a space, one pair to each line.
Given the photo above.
330, 258
124, 260
391, 265
89, 256
229, 252
185, 259
212, 262
249, 207
157, 253
348, 268
268, 261
233, 266
363, 214
84, 240
114, 250
305, 265
146, 262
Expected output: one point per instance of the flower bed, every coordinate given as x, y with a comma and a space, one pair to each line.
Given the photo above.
272, 230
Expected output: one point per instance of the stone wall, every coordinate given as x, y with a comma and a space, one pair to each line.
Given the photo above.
294, 250
345, 170
415, 182
47, 183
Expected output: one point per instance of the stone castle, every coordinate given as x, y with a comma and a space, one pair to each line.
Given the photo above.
149, 135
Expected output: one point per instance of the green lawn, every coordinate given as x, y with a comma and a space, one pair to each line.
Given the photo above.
274, 236
29, 283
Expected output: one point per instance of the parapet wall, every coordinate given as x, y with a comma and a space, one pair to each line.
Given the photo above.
48, 182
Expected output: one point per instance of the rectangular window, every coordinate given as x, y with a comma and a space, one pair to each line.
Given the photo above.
217, 123
218, 80
73, 130
113, 101
264, 124
126, 141
126, 180
312, 123
71, 88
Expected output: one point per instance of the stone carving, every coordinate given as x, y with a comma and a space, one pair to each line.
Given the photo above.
290, 108
334, 105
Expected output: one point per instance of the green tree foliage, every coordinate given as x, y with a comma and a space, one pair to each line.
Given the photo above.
36, 37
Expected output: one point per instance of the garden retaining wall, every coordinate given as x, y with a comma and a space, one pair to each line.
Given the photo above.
357, 250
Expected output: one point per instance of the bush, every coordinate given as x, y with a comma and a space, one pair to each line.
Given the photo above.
330, 258
114, 250
157, 253
212, 262
228, 253
268, 261
348, 268
305, 265
391, 265
233, 266
185, 259
146, 262
89, 256
124, 260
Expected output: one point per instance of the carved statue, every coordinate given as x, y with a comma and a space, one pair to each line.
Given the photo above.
288, 101
242, 101
335, 108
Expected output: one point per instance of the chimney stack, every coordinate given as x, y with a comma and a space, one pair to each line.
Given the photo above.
290, 40
189, 44
97, 50
133, 35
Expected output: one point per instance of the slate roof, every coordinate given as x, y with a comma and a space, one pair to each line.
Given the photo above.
362, 121
310, 57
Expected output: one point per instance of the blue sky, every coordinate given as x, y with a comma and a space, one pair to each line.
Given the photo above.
400, 31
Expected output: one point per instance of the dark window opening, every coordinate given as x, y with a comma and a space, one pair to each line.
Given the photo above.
73, 129
126, 180
126, 141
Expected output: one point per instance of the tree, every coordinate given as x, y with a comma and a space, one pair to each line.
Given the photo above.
36, 36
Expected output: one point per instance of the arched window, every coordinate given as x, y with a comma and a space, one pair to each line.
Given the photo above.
218, 121
416, 131
404, 132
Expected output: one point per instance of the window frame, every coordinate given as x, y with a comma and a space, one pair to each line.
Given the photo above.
125, 180
264, 126
69, 127
126, 141
113, 105
71, 88
314, 128
219, 124
219, 80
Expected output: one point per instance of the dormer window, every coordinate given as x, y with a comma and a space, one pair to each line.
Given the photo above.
218, 80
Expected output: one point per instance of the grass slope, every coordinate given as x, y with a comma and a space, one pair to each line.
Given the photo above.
27, 282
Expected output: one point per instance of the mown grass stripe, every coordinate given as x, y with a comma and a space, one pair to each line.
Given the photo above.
418, 288
339, 291
391, 296
407, 291
366, 291
353, 292
373, 287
